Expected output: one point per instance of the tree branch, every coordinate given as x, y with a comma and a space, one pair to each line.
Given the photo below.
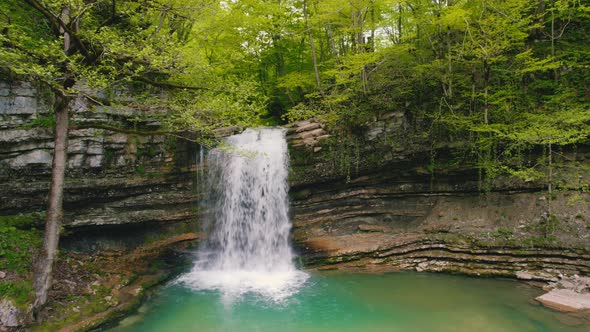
58, 24
168, 84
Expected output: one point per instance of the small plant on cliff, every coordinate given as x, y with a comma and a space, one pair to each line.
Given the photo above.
548, 226
504, 233
43, 122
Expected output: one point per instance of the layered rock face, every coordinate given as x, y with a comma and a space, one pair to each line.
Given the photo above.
383, 201
130, 183
379, 204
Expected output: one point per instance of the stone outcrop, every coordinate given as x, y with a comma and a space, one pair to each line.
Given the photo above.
568, 294
10, 316
131, 192
565, 300
306, 133
379, 199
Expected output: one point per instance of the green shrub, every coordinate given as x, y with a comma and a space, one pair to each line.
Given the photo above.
504, 233
19, 291
17, 245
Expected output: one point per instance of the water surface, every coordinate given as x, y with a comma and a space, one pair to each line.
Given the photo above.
404, 302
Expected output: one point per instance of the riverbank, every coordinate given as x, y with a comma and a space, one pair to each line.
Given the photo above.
93, 290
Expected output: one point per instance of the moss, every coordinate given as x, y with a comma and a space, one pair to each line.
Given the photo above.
23, 221
17, 247
170, 144
575, 199
140, 170
109, 156
300, 195
20, 291
75, 310
19, 240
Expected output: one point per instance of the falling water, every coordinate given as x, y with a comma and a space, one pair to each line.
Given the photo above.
248, 250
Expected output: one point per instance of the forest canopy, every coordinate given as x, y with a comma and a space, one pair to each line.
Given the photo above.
485, 71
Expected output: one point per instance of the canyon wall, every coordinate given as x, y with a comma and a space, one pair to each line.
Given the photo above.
386, 201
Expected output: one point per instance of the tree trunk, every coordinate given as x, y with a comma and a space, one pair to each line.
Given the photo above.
486, 77
399, 23
55, 215
44, 268
313, 54
550, 180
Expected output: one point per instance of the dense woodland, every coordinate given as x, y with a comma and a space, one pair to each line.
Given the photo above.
502, 76
509, 73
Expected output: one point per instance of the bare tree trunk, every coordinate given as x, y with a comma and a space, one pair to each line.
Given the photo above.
550, 180
486, 77
44, 268
45, 263
399, 23
372, 3
333, 44
311, 44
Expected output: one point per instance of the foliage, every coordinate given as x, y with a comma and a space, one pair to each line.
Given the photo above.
503, 76
148, 48
506, 79
23, 221
504, 233
548, 225
43, 122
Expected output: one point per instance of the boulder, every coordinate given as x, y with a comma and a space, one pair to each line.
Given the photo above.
566, 300
9, 315
36, 157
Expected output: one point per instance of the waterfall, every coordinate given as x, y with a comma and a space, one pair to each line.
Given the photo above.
247, 249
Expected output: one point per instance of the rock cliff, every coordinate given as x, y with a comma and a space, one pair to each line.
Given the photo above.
379, 198
376, 203
114, 178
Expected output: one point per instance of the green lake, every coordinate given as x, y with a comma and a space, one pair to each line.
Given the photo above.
404, 302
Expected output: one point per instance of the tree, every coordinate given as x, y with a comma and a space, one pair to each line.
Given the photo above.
83, 44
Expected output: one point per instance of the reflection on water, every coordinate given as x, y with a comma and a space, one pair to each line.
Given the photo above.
405, 302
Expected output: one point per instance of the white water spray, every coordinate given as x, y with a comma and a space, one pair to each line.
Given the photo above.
248, 247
